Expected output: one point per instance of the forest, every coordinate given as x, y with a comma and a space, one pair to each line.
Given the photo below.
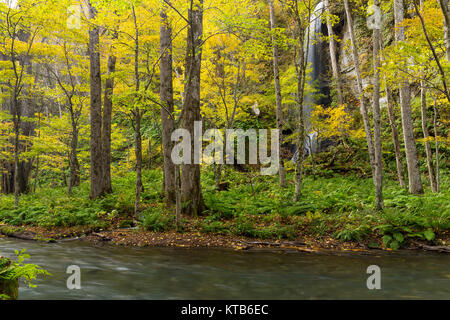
114, 115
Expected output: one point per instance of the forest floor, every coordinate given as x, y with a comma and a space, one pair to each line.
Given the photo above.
191, 238
335, 213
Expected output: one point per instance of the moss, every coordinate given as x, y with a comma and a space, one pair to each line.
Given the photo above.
9, 231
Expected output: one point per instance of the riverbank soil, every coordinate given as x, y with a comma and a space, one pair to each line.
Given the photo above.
192, 238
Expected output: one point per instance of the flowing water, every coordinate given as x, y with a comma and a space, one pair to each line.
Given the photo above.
109, 272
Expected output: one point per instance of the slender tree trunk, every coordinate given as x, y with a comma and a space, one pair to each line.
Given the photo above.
16, 162
391, 115
300, 67
378, 178
415, 181
362, 104
149, 154
138, 154
106, 122
177, 197
191, 195
279, 110
74, 179
423, 112
166, 96
436, 141
137, 122
217, 174
97, 184
333, 56
398, 154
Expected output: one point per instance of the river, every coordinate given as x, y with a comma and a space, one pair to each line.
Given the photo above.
113, 272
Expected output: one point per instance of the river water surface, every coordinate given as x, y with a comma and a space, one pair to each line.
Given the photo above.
109, 272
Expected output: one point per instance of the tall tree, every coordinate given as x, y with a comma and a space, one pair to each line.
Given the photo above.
166, 96
191, 194
279, 110
137, 113
301, 12
378, 177
415, 181
97, 185
107, 117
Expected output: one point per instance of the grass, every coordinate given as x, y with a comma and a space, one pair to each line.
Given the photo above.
336, 206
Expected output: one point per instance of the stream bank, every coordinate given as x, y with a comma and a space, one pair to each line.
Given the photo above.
136, 237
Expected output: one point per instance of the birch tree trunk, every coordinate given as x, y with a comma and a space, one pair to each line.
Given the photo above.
415, 181
279, 110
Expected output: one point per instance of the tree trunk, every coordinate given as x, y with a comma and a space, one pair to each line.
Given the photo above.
300, 68
137, 122
74, 179
438, 175
279, 110
138, 154
191, 195
16, 163
96, 149
423, 112
390, 108
398, 154
378, 178
415, 181
333, 57
177, 197
362, 104
149, 164
106, 122
166, 95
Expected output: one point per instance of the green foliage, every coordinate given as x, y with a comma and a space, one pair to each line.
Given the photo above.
340, 206
154, 219
14, 270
